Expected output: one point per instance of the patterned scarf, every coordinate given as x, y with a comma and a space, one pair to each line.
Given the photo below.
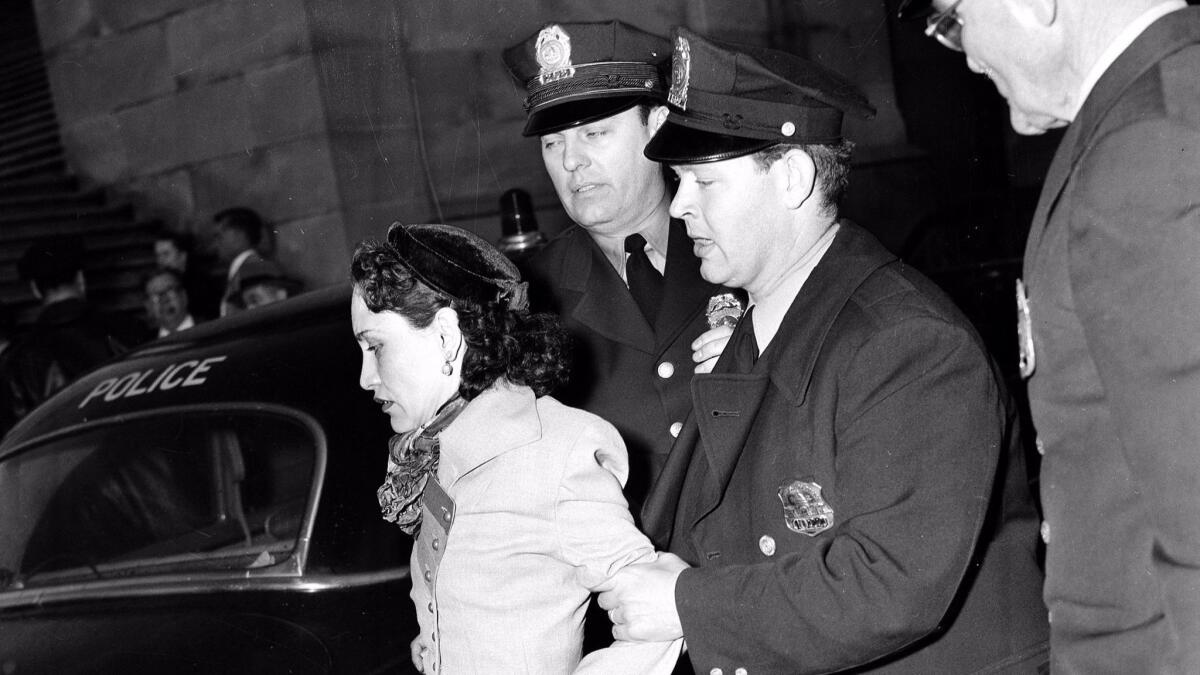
412, 457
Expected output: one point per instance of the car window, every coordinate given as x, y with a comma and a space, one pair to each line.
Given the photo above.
167, 494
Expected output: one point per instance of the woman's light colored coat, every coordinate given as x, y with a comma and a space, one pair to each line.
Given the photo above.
525, 519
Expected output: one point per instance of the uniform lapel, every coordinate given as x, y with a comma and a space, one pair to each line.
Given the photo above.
605, 305
1165, 36
854, 255
726, 405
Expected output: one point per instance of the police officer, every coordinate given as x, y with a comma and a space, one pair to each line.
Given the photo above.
847, 493
624, 278
1108, 311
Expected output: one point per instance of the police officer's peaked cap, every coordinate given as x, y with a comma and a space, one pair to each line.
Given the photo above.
458, 264
576, 73
731, 100
912, 9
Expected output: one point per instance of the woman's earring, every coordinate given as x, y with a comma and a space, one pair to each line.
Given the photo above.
447, 367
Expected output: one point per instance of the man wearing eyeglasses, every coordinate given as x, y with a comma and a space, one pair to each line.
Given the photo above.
1109, 311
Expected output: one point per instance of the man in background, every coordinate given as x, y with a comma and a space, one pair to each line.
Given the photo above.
69, 337
263, 283
167, 302
239, 232
1109, 311
173, 251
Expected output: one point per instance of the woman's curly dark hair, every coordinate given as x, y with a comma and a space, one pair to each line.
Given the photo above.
527, 349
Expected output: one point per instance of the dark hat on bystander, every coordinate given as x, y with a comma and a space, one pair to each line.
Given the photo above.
576, 73
731, 100
458, 264
256, 272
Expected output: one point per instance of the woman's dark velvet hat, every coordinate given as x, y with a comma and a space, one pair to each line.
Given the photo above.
458, 264
731, 100
576, 73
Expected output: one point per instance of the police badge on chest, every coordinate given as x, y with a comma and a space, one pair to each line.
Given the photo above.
804, 509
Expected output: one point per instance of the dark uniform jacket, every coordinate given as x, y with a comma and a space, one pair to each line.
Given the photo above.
877, 390
1112, 268
623, 369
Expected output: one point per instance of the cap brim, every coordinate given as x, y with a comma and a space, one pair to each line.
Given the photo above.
677, 144
574, 113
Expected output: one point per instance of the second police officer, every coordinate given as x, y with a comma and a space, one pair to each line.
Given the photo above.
847, 494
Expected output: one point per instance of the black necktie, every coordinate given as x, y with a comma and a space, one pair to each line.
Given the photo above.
645, 283
745, 345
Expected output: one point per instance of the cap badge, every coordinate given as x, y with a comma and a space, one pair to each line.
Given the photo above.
804, 509
554, 54
681, 73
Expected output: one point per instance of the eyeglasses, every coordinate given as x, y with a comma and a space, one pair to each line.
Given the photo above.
946, 27
160, 296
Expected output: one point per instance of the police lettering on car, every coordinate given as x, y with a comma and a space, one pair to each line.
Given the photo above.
190, 373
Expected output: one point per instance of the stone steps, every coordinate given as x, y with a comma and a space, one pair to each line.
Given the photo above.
40, 198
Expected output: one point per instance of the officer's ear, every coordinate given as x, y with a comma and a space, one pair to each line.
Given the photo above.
658, 116
798, 176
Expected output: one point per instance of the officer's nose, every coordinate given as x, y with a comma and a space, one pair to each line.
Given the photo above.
682, 204
574, 155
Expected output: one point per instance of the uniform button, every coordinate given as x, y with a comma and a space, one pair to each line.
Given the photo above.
428, 575
666, 369
436, 543
766, 544
675, 429
1045, 532
716, 671
430, 607
445, 515
740, 671
1041, 447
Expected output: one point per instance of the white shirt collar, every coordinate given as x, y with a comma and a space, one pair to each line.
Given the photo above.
237, 262
1121, 43
188, 322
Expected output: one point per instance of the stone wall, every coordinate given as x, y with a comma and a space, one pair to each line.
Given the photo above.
334, 118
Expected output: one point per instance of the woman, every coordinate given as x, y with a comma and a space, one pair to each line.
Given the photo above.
514, 499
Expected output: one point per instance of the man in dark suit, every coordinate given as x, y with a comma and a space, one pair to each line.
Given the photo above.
624, 279
239, 232
69, 337
1109, 311
848, 493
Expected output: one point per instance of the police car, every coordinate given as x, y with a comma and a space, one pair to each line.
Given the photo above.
206, 504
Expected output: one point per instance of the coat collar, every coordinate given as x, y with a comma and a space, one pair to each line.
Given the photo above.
725, 404
1164, 37
603, 295
790, 358
500, 419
